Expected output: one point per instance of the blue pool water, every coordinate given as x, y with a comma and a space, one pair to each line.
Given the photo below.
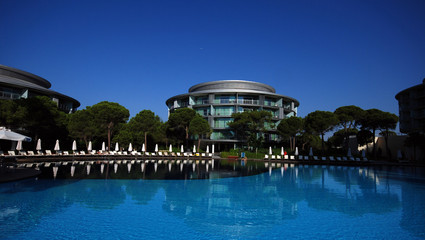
288, 202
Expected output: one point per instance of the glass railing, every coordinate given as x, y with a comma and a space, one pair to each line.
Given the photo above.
200, 102
249, 101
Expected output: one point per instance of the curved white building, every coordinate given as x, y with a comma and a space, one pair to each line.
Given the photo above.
217, 100
16, 84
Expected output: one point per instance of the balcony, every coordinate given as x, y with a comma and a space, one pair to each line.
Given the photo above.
202, 102
248, 101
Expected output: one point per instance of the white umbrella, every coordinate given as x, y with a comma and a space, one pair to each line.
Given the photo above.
74, 145
89, 148
171, 148
212, 151
296, 151
130, 147
117, 147
282, 151
156, 147
349, 152
182, 149
38, 147
143, 148
103, 147
270, 151
6, 134
311, 152
19, 146
194, 148
208, 149
57, 147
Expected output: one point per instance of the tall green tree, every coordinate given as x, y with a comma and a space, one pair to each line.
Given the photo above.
108, 117
12, 114
81, 126
348, 117
375, 119
179, 121
321, 122
44, 120
143, 124
291, 128
251, 126
198, 127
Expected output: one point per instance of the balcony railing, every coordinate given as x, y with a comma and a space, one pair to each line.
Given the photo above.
200, 102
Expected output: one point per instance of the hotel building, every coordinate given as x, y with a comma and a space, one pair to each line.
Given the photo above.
16, 84
411, 103
217, 100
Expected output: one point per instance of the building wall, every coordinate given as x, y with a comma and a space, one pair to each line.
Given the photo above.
17, 84
217, 101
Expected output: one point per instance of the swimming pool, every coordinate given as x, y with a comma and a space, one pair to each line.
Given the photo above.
286, 202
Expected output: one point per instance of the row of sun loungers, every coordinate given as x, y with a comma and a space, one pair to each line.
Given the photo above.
315, 158
123, 153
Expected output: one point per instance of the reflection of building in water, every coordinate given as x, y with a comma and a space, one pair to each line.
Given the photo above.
224, 210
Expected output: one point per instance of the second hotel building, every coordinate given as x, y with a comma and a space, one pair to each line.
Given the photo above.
217, 100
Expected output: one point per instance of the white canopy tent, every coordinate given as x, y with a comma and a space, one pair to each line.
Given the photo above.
7, 134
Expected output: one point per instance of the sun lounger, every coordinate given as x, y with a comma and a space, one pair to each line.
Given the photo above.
331, 158
82, 153
338, 158
292, 157
344, 158
286, 157
48, 152
22, 153
365, 159
305, 157
273, 157
266, 156
323, 158
65, 153
315, 158
159, 153
278, 157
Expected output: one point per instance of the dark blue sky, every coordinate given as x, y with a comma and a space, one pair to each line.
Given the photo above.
326, 54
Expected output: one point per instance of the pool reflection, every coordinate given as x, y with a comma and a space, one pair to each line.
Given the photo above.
267, 195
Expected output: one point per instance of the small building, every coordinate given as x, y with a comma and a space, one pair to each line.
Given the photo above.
17, 84
216, 101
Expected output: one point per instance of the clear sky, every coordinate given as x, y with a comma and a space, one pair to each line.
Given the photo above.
326, 54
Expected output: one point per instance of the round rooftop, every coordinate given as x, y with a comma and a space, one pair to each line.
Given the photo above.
25, 76
232, 84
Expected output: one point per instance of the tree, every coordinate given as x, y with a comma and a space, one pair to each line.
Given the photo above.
43, 119
321, 122
143, 124
251, 126
198, 127
12, 114
348, 117
339, 139
375, 119
81, 125
291, 128
179, 121
364, 137
108, 116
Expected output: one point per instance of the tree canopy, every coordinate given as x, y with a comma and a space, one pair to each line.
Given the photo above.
291, 128
108, 117
198, 127
320, 122
179, 121
251, 126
